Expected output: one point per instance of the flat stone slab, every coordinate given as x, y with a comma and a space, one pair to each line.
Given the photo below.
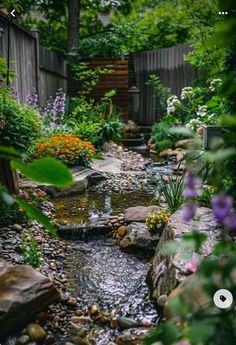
83, 178
167, 272
108, 165
139, 240
24, 292
138, 213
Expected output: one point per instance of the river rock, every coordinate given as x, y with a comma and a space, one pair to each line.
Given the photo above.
132, 336
139, 240
25, 292
36, 332
184, 143
125, 323
167, 272
122, 230
138, 213
23, 340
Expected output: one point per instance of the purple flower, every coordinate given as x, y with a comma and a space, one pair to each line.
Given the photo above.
192, 186
32, 98
189, 211
15, 95
221, 206
230, 221
54, 111
184, 342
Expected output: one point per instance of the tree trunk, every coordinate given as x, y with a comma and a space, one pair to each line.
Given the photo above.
73, 39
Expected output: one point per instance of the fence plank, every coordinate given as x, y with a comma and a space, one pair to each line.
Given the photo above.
169, 65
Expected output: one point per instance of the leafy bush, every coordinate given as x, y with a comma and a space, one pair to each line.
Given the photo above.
110, 129
20, 124
68, 148
165, 144
162, 137
104, 45
9, 213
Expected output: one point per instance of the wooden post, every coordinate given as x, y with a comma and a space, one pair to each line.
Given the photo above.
35, 32
9, 177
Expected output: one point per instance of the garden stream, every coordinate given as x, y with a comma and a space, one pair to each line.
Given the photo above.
101, 273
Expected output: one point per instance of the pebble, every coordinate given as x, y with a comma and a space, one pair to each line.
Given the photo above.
36, 332
23, 340
122, 231
17, 227
81, 319
162, 300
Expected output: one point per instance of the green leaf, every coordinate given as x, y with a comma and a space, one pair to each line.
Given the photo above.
198, 238
8, 151
35, 214
201, 331
45, 170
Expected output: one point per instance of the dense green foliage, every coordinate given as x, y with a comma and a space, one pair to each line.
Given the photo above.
20, 125
162, 136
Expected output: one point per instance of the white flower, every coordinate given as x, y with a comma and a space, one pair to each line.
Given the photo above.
202, 110
171, 104
186, 91
214, 84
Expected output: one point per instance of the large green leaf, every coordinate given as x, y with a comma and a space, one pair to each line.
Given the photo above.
46, 171
8, 151
35, 214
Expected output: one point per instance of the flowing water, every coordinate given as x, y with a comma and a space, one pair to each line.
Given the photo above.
104, 275
100, 273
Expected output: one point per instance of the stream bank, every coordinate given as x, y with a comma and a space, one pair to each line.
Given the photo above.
79, 268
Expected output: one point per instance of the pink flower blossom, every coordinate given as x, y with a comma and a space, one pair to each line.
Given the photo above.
192, 266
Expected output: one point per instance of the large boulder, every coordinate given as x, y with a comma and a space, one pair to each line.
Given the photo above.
139, 240
138, 213
191, 293
167, 272
24, 292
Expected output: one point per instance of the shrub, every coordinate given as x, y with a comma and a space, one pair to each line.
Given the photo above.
165, 144
20, 125
162, 137
110, 129
68, 148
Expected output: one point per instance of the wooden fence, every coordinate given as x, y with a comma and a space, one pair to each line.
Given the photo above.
169, 65
34, 66
118, 79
